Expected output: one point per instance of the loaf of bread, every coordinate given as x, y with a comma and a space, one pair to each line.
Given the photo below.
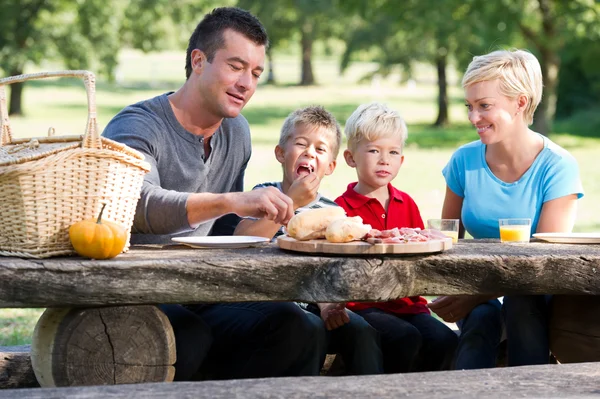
347, 229
311, 224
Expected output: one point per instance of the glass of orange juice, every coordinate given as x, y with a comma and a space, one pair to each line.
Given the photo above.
515, 230
448, 227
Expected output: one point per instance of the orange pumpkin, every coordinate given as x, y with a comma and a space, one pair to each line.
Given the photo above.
98, 239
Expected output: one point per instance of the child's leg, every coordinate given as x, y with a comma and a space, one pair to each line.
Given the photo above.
438, 342
261, 339
359, 344
322, 336
400, 340
527, 320
480, 334
193, 339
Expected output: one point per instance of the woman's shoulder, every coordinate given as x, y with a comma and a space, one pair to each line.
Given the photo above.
555, 154
468, 151
469, 147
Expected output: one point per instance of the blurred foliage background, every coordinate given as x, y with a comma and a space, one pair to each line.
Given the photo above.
396, 35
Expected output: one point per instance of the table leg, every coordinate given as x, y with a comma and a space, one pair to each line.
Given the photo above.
103, 346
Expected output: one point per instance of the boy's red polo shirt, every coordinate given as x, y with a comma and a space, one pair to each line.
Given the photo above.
402, 212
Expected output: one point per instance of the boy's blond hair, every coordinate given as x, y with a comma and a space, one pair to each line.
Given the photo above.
373, 121
313, 116
518, 71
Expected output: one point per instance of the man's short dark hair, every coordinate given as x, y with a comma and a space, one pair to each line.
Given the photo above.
208, 35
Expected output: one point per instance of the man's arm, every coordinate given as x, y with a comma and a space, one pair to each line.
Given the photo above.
260, 228
302, 192
159, 210
268, 203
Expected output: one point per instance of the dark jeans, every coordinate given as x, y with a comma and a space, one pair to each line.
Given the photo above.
480, 334
527, 318
357, 342
249, 340
412, 342
193, 339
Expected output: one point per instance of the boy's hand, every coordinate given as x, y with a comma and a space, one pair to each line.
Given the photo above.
334, 315
303, 190
455, 307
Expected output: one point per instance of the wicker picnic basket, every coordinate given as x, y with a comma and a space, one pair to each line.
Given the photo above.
49, 183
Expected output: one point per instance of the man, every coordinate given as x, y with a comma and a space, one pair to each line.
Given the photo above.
198, 145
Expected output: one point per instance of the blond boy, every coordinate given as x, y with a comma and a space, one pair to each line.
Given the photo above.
411, 339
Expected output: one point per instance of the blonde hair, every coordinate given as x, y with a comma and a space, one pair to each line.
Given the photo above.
312, 116
518, 71
373, 121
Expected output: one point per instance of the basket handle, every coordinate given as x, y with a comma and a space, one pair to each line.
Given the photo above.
91, 139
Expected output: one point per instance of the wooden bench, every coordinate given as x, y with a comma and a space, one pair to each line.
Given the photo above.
564, 381
15, 368
146, 276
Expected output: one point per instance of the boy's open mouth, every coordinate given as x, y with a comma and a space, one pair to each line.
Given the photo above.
305, 169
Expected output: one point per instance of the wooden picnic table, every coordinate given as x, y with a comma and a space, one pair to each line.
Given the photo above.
92, 299
176, 274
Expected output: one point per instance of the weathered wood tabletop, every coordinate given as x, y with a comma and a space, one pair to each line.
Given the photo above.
147, 275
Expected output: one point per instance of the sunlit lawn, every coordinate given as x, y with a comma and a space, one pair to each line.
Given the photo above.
62, 105
16, 325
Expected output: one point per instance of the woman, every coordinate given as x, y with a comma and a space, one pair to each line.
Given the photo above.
511, 172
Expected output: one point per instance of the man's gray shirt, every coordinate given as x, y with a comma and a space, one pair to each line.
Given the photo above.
179, 168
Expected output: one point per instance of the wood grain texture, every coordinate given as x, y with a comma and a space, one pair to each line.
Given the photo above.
15, 367
550, 381
186, 275
103, 346
362, 248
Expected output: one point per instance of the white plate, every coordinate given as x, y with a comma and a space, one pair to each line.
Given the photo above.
570, 238
221, 241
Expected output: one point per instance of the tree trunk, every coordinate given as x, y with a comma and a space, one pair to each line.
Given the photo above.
16, 91
307, 78
271, 73
544, 115
442, 119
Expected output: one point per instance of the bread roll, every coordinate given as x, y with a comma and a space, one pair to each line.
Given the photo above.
347, 229
311, 224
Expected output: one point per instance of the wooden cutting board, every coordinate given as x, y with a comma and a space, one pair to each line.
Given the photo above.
363, 248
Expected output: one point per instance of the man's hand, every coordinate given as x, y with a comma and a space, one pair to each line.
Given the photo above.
268, 203
334, 315
303, 190
454, 308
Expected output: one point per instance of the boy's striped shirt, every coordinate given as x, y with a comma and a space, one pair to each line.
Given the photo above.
319, 202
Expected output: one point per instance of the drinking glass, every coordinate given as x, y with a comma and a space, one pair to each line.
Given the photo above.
514, 230
448, 227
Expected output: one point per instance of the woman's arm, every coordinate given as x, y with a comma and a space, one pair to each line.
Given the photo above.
558, 215
452, 209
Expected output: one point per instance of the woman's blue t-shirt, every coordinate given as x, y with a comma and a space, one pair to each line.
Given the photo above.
553, 174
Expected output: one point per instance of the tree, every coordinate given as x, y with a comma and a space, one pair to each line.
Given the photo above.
579, 79
35, 30
402, 33
89, 32
547, 25
277, 20
306, 20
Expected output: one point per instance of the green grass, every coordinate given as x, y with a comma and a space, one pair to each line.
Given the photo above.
61, 104
16, 325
